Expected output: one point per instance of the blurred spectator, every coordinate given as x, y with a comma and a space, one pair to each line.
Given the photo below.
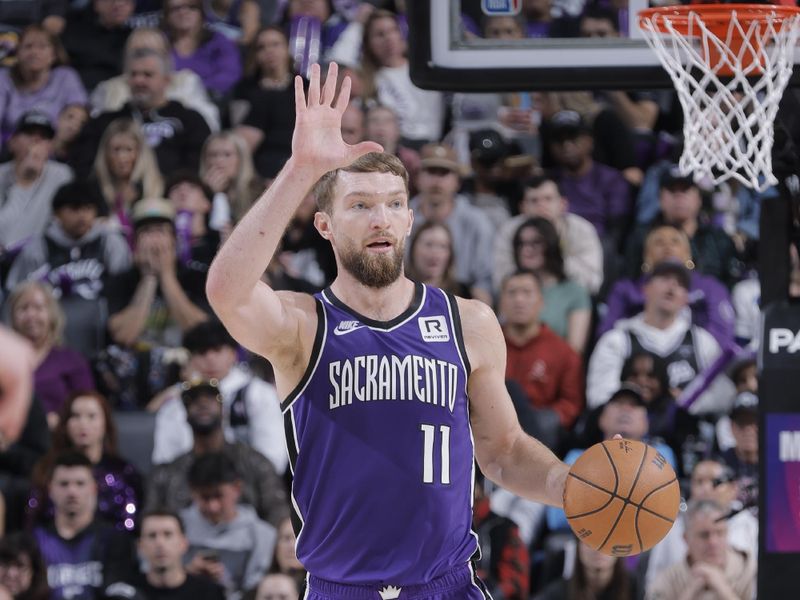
150, 306
28, 182
277, 586
681, 206
504, 562
583, 254
306, 255
315, 26
264, 107
543, 20
75, 256
50, 13
386, 78
226, 166
284, 559
353, 123
237, 20
60, 371
383, 126
184, 86
22, 571
191, 197
596, 192
16, 464
262, 488
126, 171
595, 575
711, 481
70, 121
228, 543
431, 258
712, 569
198, 48
709, 300
488, 152
546, 368
438, 200
664, 329
174, 132
251, 407
81, 551
95, 39
667, 421
567, 306
87, 426
742, 458
38, 81
162, 546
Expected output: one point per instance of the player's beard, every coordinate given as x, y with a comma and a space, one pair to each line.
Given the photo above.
373, 270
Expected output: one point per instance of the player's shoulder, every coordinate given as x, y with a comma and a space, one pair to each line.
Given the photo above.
478, 321
299, 301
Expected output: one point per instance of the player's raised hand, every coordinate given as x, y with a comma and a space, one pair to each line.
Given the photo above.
317, 136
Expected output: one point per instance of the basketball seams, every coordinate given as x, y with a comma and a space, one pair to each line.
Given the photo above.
591, 512
638, 473
614, 526
594, 485
650, 493
613, 466
627, 500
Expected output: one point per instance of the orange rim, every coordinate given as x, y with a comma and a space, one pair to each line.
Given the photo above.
714, 15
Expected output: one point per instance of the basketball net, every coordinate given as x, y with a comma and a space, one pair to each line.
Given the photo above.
730, 65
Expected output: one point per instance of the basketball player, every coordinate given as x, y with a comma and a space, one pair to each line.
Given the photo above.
390, 387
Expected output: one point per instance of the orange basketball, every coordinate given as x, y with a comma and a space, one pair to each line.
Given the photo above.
621, 497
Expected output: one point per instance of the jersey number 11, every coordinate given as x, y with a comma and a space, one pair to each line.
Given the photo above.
427, 458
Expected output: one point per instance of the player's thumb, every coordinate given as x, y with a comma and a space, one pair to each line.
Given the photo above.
363, 148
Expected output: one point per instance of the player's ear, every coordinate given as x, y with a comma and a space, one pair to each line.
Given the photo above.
410, 221
322, 222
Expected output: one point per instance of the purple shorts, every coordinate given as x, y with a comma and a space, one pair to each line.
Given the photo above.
459, 584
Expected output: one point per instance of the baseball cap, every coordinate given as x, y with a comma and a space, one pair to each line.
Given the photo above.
567, 124
153, 210
667, 268
439, 155
194, 388
35, 120
487, 146
672, 178
628, 391
745, 404
188, 176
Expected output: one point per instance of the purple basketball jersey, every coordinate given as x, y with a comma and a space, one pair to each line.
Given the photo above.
381, 447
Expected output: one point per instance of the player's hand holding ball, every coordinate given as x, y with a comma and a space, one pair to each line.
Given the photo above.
621, 497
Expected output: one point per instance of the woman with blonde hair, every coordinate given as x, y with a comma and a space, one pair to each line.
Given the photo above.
60, 371
126, 171
185, 86
226, 166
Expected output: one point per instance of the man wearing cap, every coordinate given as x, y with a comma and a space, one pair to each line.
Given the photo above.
438, 200
29, 181
680, 204
742, 458
153, 302
75, 255
596, 192
490, 182
663, 328
204, 411
583, 253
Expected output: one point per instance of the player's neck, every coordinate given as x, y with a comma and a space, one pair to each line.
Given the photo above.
383, 304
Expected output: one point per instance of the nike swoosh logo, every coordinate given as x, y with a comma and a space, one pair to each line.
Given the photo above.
338, 331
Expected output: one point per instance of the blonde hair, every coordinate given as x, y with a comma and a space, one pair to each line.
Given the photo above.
246, 187
145, 171
57, 318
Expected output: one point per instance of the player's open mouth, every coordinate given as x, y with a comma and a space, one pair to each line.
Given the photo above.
379, 245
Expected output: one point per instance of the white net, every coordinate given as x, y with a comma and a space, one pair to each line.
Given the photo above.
730, 74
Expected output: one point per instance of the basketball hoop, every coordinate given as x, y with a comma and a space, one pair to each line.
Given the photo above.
730, 64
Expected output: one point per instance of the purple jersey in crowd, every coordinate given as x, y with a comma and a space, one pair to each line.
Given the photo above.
381, 447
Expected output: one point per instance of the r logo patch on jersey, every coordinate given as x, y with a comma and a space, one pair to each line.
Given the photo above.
434, 329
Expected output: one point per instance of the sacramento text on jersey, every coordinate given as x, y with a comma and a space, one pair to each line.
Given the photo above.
372, 377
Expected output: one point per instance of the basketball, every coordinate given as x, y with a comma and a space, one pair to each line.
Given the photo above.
621, 497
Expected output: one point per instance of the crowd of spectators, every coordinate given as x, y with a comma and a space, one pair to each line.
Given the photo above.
133, 137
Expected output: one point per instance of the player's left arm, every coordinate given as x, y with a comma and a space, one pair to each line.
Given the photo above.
505, 453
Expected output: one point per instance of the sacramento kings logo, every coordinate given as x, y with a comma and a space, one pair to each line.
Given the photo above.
501, 8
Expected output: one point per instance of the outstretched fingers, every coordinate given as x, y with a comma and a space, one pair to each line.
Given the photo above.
299, 94
314, 85
344, 94
331, 79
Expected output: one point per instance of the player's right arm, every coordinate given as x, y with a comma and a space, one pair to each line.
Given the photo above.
265, 321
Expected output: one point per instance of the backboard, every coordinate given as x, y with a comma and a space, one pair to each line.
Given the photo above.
447, 50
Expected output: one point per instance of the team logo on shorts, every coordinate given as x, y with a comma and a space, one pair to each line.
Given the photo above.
434, 329
390, 592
